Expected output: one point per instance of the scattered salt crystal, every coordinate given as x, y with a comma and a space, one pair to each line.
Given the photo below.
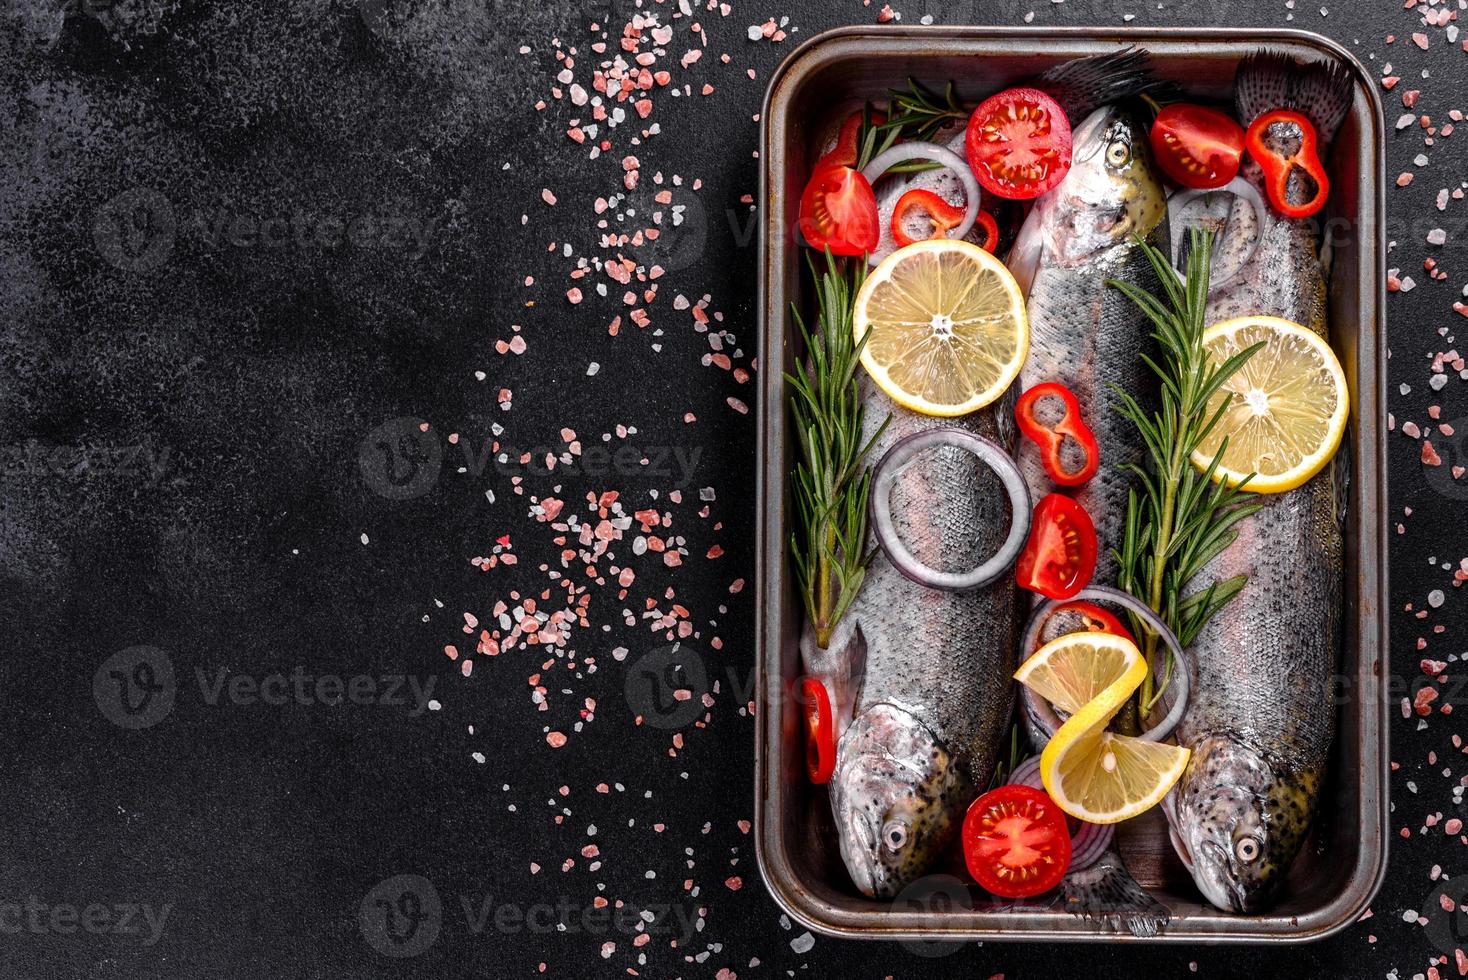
803, 943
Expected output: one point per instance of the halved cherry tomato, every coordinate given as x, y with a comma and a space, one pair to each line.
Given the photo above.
839, 211
1060, 556
1096, 619
1277, 165
846, 150
1197, 146
820, 731
1018, 143
1016, 842
1060, 440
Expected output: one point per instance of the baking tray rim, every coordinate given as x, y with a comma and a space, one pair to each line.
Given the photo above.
1372, 558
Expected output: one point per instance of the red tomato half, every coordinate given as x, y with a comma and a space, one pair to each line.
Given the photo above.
820, 731
1060, 555
1197, 146
1018, 143
1016, 842
839, 211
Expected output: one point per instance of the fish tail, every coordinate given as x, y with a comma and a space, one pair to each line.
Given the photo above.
1321, 90
1085, 84
1108, 895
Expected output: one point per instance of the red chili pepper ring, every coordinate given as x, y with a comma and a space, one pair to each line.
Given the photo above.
1278, 166
1061, 441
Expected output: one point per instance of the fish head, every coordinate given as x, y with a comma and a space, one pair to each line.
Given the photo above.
1237, 822
896, 793
1111, 192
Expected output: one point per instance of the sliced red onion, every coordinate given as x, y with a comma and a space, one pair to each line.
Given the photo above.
989, 453
1240, 188
1090, 840
1044, 716
903, 152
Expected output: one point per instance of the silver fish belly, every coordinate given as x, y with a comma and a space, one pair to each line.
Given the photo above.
936, 692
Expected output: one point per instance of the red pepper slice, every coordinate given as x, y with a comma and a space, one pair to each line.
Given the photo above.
839, 211
1052, 437
1277, 166
941, 215
1016, 842
820, 731
1060, 556
1095, 619
845, 151
991, 231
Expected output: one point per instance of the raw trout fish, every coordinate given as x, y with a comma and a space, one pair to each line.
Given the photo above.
924, 676
935, 692
1084, 333
1260, 722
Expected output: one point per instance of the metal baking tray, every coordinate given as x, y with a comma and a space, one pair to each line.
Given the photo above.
1342, 865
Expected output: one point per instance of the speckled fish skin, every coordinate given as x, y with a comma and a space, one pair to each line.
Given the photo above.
1261, 721
936, 694
1084, 333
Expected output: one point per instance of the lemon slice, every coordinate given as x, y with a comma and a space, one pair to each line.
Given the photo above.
948, 327
1090, 773
1287, 409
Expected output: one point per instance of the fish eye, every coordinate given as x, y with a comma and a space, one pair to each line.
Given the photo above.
1118, 153
1246, 849
894, 835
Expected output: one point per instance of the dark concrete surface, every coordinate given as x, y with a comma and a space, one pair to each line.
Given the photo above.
238, 240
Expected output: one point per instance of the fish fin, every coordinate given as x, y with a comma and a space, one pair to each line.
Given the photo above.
1106, 894
841, 667
1321, 90
1085, 84
1025, 254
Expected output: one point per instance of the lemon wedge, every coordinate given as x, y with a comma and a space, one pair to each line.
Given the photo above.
1090, 773
1287, 406
948, 332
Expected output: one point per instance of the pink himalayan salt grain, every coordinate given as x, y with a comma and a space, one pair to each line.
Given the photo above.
555, 739
547, 196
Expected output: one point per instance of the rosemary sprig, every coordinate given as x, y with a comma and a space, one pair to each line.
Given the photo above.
912, 113
830, 483
1178, 518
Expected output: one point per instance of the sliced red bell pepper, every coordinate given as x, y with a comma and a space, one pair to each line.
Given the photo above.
820, 731
1277, 166
1060, 556
941, 215
845, 151
1052, 437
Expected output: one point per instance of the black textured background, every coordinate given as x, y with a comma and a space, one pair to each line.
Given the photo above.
254, 374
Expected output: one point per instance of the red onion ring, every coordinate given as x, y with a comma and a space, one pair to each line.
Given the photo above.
903, 152
1090, 840
989, 453
1240, 188
1043, 715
